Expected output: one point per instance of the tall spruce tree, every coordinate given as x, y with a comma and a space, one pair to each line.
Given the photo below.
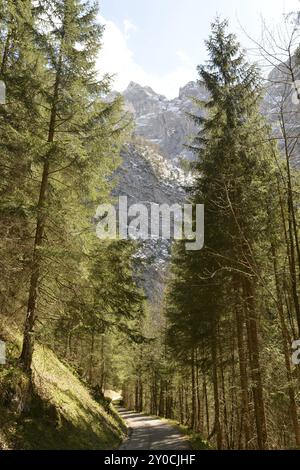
22, 70
235, 175
80, 134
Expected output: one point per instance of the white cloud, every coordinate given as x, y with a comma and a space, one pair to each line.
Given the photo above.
117, 58
128, 27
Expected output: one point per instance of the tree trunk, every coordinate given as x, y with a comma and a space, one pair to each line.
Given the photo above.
193, 384
5, 54
91, 364
217, 424
141, 397
28, 337
180, 400
198, 394
136, 401
245, 413
253, 346
161, 409
102, 364
206, 406
225, 413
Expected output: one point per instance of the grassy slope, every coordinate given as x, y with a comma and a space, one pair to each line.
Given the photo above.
195, 439
63, 413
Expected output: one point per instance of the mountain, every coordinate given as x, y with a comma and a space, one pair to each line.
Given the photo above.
162, 122
282, 98
146, 177
152, 170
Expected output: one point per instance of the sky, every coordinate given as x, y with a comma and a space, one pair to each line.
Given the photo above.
159, 43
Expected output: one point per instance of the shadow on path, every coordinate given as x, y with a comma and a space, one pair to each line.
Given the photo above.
148, 432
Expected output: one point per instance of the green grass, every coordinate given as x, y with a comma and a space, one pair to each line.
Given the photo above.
63, 413
195, 439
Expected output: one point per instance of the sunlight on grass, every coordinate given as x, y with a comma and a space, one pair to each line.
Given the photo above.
64, 414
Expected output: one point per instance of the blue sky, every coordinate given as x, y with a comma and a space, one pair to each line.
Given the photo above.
160, 42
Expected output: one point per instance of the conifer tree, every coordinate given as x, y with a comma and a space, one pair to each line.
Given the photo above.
78, 125
233, 183
235, 175
22, 71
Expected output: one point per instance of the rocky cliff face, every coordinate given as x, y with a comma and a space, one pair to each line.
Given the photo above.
151, 171
147, 177
162, 122
282, 98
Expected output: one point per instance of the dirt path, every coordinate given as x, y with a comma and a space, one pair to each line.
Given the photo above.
147, 432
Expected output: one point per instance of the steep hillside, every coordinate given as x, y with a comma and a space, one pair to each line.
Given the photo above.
63, 413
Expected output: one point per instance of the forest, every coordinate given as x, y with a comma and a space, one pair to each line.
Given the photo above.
218, 351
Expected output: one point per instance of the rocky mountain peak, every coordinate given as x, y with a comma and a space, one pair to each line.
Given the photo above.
147, 91
164, 122
142, 101
191, 89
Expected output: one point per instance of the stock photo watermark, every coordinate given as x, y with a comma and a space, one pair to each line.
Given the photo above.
151, 221
2, 353
2, 92
296, 353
